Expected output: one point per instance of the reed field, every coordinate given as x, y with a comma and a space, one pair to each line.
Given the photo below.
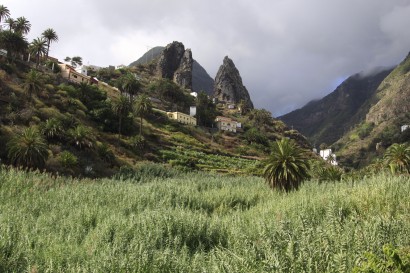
196, 222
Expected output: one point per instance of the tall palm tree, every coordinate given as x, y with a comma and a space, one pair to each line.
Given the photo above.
38, 48
287, 166
121, 108
13, 42
22, 25
11, 23
397, 157
143, 106
130, 85
50, 36
28, 149
4, 13
33, 82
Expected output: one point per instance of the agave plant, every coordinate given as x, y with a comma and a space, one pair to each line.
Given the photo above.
287, 166
28, 149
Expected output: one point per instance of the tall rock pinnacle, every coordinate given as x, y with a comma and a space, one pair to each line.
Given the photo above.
228, 85
175, 63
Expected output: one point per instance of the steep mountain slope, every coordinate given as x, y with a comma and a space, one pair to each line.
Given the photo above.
201, 81
389, 110
327, 119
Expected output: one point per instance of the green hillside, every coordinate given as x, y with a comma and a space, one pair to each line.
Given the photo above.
160, 220
381, 127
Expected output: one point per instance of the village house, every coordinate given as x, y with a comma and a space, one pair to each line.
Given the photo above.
182, 118
327, 155
70, 73
227, 124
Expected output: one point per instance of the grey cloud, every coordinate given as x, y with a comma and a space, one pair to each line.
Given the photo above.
288, 52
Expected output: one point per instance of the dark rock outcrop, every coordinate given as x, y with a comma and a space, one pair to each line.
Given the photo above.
201, 81
183, 75
228, 86
175, 63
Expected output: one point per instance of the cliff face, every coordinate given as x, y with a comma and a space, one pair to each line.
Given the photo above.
228, 85
175, 63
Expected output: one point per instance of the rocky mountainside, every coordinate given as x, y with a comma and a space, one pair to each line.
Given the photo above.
175, 63
149, 56
201, 81
381, 126
228, 85
328, 119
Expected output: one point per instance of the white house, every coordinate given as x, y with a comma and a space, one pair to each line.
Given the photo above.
326, 154
194, 94
404, 127
227, 124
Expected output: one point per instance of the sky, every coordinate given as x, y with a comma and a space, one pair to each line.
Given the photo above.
288, 52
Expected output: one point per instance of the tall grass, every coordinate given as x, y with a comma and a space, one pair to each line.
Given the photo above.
195, 223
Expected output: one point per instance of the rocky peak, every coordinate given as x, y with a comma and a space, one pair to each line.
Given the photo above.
175, 63
228, 86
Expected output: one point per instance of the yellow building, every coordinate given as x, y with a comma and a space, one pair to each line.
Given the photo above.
182, 118
68, 72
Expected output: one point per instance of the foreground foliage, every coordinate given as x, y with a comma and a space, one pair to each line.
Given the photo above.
196, 222
287, 166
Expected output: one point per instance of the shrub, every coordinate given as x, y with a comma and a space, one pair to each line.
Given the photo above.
67, 159
393, 260
105, 153
81, 137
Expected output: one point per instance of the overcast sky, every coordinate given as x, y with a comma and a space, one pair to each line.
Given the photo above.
287, 51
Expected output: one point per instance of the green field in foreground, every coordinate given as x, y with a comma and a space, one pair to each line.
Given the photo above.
196, 222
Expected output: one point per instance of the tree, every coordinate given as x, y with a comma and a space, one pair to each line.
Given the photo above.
205, 110
28, 149
11, 23
33, 82
75, 61
4, 13
50, 36
287, 166
22, 25
397, 157
81, 136
121, 108
38, 49
52, 128
130, 84
143, 106
13, 42
261, 117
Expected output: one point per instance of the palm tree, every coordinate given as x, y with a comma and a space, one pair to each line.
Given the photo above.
33, 82
130, 85
28, 149
4, 13
11, 23
397, 157
143, 106
50, 36
81, 136
38, 49
121, 108
22, 25
52, 128
287, 166
75, 61
13, 42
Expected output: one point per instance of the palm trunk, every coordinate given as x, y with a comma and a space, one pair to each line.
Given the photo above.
119, 127
140, 125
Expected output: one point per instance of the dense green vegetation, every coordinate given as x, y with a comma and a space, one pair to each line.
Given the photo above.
165, 221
